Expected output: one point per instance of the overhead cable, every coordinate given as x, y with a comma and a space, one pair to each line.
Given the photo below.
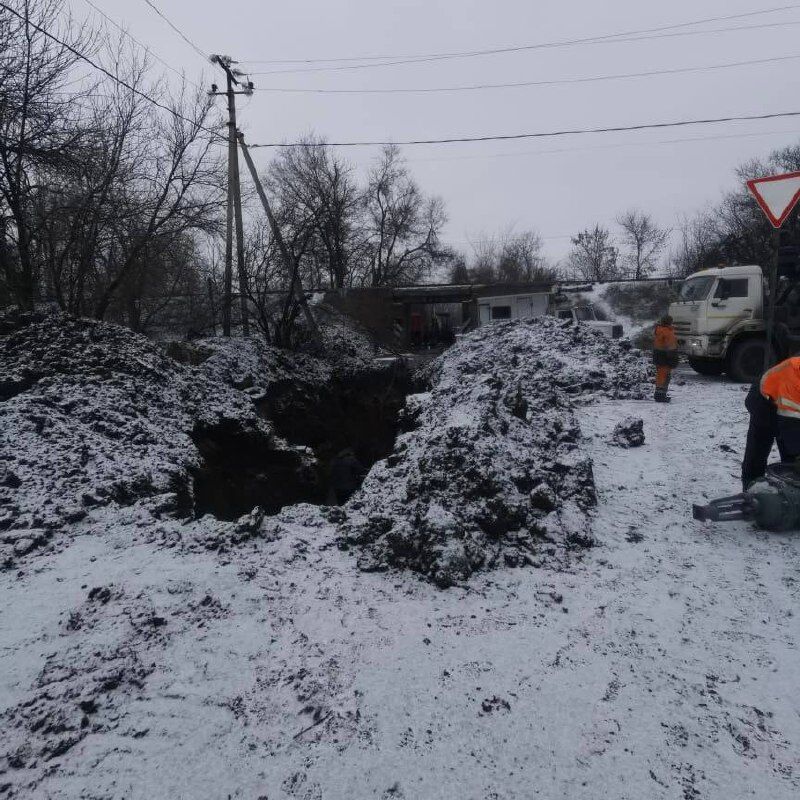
529, 84
492, 51
108, 74
146, 48
177, 30
611, 39
548, 134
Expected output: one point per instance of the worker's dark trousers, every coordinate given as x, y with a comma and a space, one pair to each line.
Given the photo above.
765, 428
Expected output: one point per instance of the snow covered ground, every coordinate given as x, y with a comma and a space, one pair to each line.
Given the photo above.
137, 663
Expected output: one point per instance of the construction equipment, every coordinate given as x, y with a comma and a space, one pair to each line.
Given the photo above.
771, 502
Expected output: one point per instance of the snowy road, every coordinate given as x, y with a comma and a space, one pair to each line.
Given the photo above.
664, 665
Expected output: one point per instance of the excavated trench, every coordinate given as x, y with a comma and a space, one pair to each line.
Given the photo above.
351, 420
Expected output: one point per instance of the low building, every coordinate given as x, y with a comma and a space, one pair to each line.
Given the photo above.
414, 316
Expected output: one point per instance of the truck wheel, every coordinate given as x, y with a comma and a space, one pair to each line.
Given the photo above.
746, 361
707, 366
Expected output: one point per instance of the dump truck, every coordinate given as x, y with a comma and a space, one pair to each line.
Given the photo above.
720, 324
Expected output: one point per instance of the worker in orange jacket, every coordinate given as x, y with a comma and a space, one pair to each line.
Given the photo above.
774, 406
665, 357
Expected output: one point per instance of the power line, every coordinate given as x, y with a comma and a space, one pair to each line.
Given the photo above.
553, 45
107, 73
177, 30
528, 84
617, 146
726, 18
590, 42
147, 49
549, 134
451, 140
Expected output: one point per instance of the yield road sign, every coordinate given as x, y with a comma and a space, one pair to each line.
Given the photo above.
777, 195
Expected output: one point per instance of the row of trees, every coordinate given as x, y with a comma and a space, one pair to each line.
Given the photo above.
595, 255
734, 231
104, 196
112, 190
112, 200
380, 232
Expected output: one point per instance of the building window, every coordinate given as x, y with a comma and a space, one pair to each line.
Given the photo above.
501, 312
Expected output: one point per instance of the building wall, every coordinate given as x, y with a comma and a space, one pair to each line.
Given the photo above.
389, 313
519, 306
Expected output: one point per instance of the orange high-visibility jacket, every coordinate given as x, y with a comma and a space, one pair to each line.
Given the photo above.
781, 384
665, 338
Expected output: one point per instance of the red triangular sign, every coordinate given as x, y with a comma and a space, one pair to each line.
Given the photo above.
777, 195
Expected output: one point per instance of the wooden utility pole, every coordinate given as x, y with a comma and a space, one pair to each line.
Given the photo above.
290, 263
234, 206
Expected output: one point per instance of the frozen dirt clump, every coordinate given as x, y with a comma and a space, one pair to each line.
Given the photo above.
491, 470
103, 415
628, 433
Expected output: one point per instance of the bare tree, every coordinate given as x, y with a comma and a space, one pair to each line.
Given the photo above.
521, 259
510, 257
644, 242
593, 255
736, 231
698, 246
402, 227
79, 206
458, 271
320, 187
101, 191
39, 125
485, 254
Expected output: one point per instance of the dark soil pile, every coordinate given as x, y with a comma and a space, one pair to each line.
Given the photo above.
91, 413
490, 470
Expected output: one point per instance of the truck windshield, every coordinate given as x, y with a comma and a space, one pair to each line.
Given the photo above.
695, 289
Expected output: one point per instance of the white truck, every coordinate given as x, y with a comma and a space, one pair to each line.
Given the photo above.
586, 315
719, 321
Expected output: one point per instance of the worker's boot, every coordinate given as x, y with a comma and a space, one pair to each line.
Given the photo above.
660, 395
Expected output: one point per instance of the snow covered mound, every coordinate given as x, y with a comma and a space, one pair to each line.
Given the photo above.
91, 413
491, 470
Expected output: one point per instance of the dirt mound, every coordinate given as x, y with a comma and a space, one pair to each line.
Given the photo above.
628, 433
491, 469
98, 414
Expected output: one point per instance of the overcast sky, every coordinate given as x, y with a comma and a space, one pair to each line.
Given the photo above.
555, 186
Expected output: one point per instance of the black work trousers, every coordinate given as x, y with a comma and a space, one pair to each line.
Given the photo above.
766, 426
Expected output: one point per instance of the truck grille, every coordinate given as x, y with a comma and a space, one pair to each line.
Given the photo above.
616, 331
682, 327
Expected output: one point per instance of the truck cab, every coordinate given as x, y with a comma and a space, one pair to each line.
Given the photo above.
719, 321
586, 315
